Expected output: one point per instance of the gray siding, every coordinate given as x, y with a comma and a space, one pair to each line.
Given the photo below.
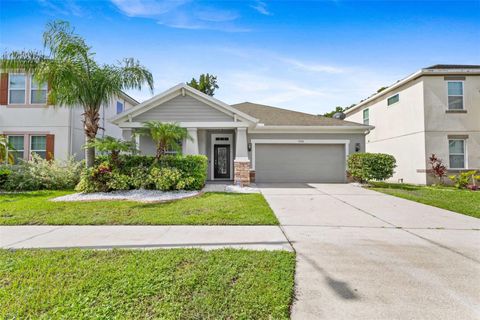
186, 109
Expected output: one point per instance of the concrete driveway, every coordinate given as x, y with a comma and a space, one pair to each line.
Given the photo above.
366, 255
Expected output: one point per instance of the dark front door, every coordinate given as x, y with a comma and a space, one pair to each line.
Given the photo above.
221, 158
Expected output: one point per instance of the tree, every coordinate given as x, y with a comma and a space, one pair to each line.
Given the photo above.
111, 145
331, 113
166, 136
207, 84
5, 146
74, 77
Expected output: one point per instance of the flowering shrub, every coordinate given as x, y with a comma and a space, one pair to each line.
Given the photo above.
437, 168
39, 174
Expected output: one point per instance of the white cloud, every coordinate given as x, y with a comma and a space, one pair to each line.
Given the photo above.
311, 67
147, 8
261, 7
65, 8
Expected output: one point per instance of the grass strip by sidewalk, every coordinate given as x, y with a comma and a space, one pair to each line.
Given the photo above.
146, 284
462, 201
33, 208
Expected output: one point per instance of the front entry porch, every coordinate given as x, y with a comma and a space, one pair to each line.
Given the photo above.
225, 148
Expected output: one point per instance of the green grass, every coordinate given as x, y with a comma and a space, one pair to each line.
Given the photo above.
151, 284
33, 208
462, 201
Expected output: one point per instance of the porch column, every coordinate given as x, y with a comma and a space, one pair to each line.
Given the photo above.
191, 145
241, 162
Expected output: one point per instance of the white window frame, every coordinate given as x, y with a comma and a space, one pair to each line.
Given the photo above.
15, 150
31, 79
397, 94
30, 149
456, 95
363, 116
465, 158
25, 89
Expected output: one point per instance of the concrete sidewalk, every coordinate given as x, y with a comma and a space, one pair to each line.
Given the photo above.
144, 237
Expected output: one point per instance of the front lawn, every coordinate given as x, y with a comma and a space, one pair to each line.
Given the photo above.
151, 284
462, 201
33, 208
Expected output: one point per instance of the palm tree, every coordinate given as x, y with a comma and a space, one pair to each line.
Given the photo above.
166, 136
6, 146
74, 77
111, 145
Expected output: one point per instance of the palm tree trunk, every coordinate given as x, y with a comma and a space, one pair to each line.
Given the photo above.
90, 125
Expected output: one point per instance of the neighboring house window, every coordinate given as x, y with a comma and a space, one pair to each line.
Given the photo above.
16, 88
455, 95
38, 92
38, 145
119, 107
175, 151
456, 149
393, 99
18, 145
366, 116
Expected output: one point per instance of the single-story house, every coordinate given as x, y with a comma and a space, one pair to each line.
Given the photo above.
249, 141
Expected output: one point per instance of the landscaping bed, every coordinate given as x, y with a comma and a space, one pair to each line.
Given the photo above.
458, 200
138, 284
34, 208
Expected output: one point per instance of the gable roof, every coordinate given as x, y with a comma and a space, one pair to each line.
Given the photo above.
180, 89
273, 116
435, 70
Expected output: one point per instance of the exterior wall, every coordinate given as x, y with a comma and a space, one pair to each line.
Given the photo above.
183, 108
439, 124
399, 130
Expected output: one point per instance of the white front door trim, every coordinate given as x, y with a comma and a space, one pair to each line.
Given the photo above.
298, 141
213, 142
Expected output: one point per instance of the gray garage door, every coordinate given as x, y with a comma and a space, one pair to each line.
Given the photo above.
300, 163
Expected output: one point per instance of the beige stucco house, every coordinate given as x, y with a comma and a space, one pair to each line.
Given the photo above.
436, 110
49, 131
248, 140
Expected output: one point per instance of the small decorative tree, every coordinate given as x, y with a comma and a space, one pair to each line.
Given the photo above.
112, 146
166, 136
437, 168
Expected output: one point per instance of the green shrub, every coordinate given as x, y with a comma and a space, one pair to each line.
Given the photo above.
145, 172
5, 172
463, 179
371, 166
165, 179
40, 174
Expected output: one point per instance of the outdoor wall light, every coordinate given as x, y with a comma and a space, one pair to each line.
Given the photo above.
249, 147
357, 147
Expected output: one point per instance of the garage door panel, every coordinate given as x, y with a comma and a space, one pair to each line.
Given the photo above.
300, 163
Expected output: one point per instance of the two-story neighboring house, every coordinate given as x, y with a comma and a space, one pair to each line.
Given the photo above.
436, 110
50, 131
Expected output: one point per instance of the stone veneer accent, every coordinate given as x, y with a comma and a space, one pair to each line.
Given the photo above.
241, 169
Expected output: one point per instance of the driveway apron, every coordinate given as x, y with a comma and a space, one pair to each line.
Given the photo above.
366, 255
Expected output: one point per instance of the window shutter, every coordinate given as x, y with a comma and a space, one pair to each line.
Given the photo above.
4, 89
50, 146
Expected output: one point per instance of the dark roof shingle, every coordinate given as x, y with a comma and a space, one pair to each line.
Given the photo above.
454, 66
274, 116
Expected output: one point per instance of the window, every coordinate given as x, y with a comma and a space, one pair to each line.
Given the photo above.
18, 152
38, 145
119, 107
456, 150
455, 95
393, 99
16, 88
38, 92
366, 115
174, 149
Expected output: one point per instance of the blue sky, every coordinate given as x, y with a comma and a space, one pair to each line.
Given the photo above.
303, 55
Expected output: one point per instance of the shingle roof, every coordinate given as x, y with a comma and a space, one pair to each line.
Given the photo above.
282, 117
453, 66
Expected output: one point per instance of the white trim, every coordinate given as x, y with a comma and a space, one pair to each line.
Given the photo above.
465, 155
25, 89
205, 125
212, 156
455, 95
299, 141
174, 92
311, 129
